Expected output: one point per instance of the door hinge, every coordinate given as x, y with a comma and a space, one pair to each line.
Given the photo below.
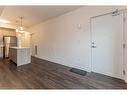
124, 45
124, 19
124, 72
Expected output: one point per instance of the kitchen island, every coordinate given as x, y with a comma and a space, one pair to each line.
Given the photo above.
20, 55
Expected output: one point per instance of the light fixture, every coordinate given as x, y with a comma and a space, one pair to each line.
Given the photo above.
17, 30
20, 29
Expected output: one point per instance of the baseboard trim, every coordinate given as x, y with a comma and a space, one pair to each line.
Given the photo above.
44, 59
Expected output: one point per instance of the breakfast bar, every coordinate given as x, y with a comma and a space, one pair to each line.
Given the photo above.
20, 55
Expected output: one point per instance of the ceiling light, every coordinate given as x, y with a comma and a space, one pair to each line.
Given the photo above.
20, 28
17, 30
21, 31
4, 21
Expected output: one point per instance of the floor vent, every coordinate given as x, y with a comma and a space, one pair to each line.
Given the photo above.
78, 71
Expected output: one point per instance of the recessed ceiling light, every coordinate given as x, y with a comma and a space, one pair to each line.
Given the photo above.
4, 21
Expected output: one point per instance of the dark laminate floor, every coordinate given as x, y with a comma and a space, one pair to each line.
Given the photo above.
46, 75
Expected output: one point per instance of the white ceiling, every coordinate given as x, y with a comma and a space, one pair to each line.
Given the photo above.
33, 14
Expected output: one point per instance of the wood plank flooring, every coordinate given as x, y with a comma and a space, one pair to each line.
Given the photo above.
43, 74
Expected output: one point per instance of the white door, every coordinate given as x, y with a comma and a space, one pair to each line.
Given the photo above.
107, 42
125, 41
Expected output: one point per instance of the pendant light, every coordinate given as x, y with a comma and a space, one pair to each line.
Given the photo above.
20, 29
17, 29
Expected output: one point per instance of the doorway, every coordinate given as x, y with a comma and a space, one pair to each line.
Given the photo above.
107, 45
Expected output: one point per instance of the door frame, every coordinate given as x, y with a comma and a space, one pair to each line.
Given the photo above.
123, 49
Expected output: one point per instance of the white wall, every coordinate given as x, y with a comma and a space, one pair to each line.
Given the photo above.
66, 39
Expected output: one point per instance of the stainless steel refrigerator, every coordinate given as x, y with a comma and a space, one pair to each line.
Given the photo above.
8, 41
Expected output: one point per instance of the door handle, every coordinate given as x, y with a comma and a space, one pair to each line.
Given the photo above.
93, 44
